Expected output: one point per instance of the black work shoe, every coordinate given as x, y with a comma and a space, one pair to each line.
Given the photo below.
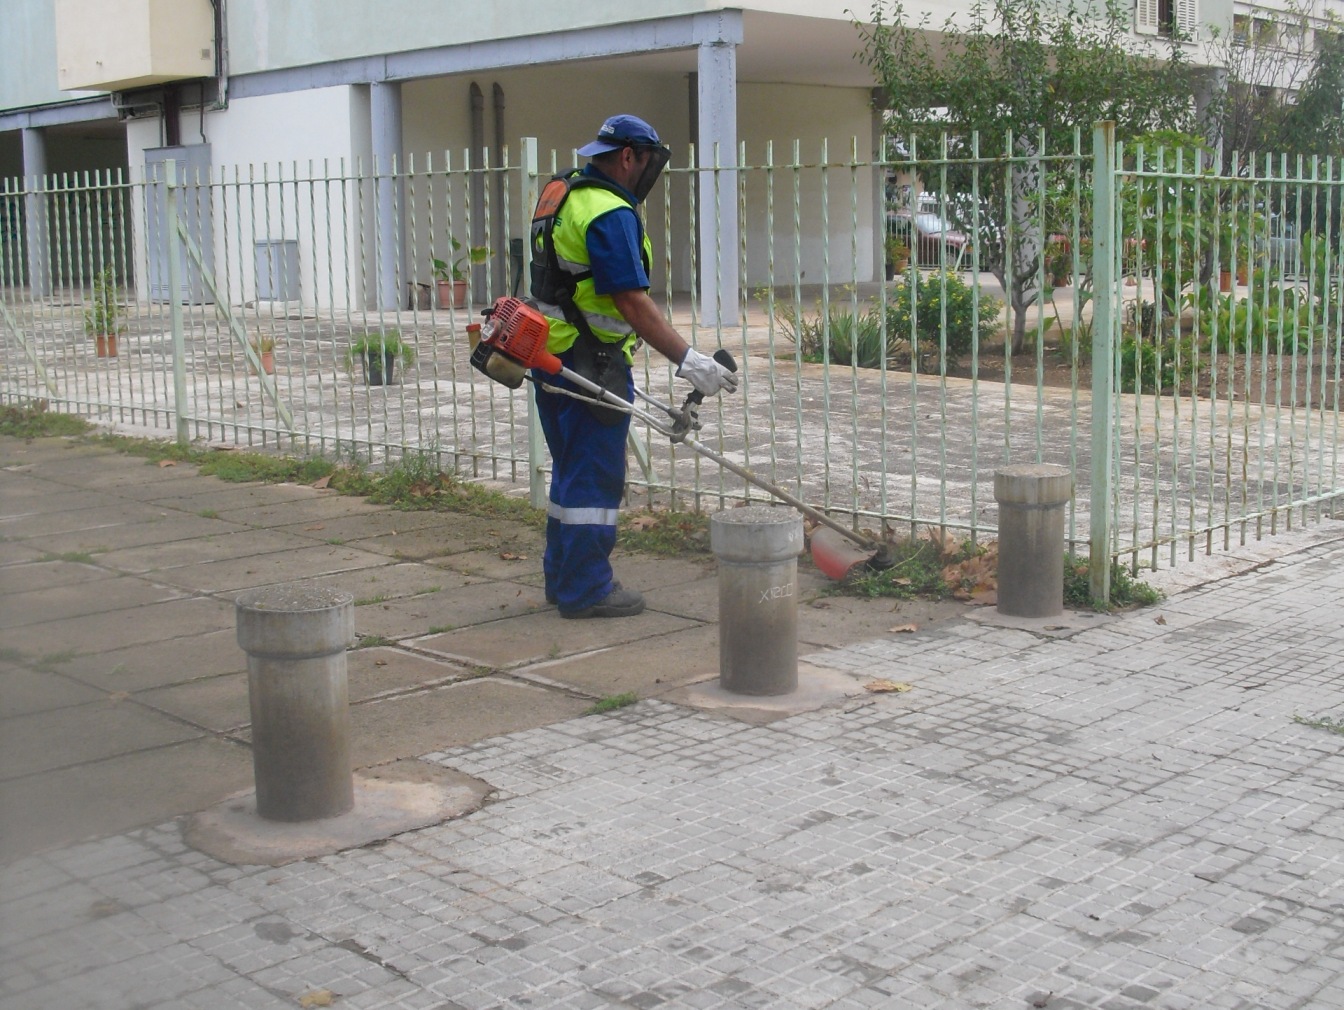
617, 603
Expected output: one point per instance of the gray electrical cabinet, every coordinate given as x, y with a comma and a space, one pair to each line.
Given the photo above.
277, 263
194, 208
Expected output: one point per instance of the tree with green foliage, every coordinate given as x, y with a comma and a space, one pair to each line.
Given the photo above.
1316, 120
1023, 76
1284, 87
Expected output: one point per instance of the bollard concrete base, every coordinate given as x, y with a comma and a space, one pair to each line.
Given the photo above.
1031, 498
388, 800
295, 637
757, 549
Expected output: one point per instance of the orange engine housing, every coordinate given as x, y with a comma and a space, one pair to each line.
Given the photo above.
520, 331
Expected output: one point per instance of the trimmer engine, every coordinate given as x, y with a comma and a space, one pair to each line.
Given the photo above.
513, 339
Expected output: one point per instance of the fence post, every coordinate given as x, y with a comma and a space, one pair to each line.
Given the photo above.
536, 456
174, 254
1103, 332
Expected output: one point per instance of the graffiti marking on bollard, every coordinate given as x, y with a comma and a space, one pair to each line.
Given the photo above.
777, 592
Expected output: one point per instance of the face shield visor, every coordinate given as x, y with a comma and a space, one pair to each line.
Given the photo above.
659, 156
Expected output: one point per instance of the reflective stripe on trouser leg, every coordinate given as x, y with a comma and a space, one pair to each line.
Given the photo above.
587, 483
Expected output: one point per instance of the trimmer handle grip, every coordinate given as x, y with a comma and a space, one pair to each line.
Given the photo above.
723, 358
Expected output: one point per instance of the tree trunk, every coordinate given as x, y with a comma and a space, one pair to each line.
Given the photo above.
1024, 254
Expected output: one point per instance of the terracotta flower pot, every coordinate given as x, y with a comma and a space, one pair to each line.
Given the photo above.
452, 294
106, 344
1224, 280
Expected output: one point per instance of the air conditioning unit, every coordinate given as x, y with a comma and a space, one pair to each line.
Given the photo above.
113, 45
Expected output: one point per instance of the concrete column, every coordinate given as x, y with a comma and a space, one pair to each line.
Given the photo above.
389, 244
717, 118
295, 637
35, 212
1031, 499
757, 549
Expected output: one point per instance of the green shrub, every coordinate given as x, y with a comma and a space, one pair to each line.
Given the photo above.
1277, 319
1152, 366
840, 337
843, 337
934, 296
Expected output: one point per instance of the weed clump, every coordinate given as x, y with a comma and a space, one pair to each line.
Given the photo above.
34, 420
938, 566
664, 534
1126, 591
1325, 722
612, 702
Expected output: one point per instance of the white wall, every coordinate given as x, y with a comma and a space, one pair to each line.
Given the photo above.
562, 107
837, 118
278, 163
437, 123
292, 139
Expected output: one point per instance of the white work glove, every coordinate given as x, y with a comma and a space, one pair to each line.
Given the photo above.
706, 374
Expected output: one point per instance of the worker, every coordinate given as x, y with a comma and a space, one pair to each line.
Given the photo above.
590, 277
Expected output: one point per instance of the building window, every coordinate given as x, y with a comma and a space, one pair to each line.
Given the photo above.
1166, 17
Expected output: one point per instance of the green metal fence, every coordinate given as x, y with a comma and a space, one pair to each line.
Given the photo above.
1222, 333
1042, 289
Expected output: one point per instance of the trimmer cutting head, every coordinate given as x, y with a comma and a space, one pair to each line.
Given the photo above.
836, 556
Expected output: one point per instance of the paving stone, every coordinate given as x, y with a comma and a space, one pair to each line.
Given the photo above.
1123, 816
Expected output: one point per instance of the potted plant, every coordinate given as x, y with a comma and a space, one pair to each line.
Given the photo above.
264, 348
898, 255
102, 319
1059, 266
377, 352
450, 276
1226, 244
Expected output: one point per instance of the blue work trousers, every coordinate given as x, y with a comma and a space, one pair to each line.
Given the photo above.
587, 484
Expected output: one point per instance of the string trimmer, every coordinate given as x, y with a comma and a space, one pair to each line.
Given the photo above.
513, 339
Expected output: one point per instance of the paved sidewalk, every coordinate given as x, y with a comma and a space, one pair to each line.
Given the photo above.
1114, 812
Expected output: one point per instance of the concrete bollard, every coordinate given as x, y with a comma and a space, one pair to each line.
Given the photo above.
295, 637
757, 548
1031, 499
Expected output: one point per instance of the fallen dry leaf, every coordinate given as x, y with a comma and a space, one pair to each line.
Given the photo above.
886, 686
641, 523
322, 481
380, 662
1159, 619
904, 629
509, 556
167, 462
315, 526
946, 541
318, 997
116, 697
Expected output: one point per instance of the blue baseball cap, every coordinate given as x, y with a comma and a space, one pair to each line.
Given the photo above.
621, 131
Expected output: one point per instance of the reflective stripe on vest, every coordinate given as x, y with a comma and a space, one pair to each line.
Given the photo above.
583, 206
582, 516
